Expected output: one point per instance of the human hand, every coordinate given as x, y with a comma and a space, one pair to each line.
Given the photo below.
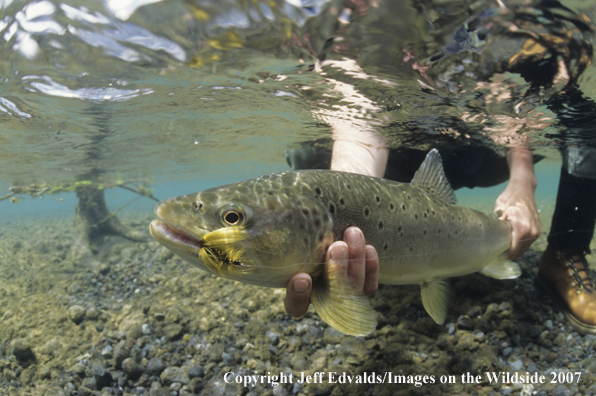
362, 265
519, 208
517, 202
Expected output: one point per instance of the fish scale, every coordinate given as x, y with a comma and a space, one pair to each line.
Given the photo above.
265, 230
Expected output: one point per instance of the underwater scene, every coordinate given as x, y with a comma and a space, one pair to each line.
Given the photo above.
462, 131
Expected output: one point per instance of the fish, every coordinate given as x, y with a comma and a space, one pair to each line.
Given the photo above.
263, 231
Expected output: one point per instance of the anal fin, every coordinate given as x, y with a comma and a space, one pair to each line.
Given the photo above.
435, 299
502, 268
341, 304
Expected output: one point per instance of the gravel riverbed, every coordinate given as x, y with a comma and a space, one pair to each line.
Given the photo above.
136, 320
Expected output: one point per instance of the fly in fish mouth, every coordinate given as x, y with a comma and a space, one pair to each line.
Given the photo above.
218, 250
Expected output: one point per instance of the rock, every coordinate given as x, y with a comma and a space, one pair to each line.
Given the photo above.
465, 323
175, 374
227, 358
318, 360
155, 366
491, 311
102, 376
121, 352
475, 312
90, 383
172, 331
76, 313
196, 371
195, 385
549, 324
467, 342
273, 338
506, 351
22, 350
352, 350
173, 315
561, 390
50, 347
132, 369
560, 340
132, 326
92, 313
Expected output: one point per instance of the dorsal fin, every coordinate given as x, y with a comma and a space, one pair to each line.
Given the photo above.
431, 177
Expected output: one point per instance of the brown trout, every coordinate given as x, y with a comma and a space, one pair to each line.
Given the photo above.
263, 231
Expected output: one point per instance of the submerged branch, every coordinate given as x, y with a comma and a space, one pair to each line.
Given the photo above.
38, 190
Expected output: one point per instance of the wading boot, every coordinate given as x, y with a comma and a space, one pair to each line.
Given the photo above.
566, 276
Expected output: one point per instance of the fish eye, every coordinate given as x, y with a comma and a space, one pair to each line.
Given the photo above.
233, 217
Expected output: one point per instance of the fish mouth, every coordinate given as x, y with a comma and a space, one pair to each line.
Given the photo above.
209, 252
162, 231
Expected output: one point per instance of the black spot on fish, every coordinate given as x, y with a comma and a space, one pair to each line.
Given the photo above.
424, 232
305, 241
348, 187
317, 223
341, 201
270, 192
411, 249
399, 229
409, 197
306, 212
318, 190
331, 208
385, 247
378, 198
439, 230
391, 206
425, 215
380, 225
320, 237
366, 212
198, 205
315, 212
433, 212
416, 216
403, 207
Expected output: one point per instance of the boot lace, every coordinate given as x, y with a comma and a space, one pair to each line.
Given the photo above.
577, 263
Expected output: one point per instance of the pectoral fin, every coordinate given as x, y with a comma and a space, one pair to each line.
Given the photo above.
502, 268
339, 303
435, 298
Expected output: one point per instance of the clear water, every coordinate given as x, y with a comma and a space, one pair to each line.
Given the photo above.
193, 94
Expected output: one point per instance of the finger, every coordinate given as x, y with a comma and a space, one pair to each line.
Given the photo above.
298, 295
371, 280
357, 253
338, 252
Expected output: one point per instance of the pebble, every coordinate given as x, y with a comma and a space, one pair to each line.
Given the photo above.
155, 366
273, 338
132, 369
22, 350
465, 323
196, 372
101, 375
76, 313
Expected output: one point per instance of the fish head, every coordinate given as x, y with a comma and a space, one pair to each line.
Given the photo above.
244, 231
